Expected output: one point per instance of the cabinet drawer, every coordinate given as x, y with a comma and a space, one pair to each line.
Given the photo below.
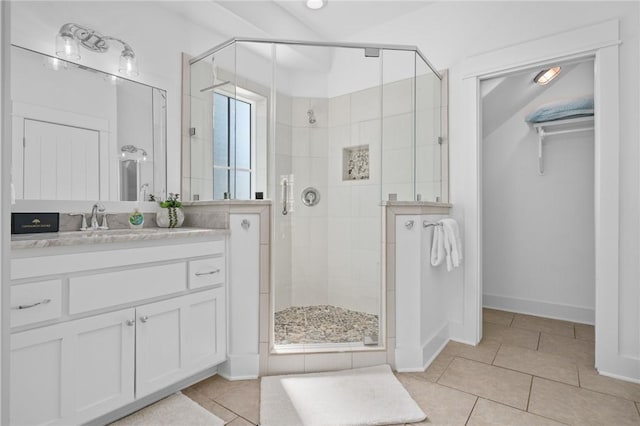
99, 291
35, 302
206, 272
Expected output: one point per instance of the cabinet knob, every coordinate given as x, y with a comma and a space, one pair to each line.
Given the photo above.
144, 319
130, 323
245, 224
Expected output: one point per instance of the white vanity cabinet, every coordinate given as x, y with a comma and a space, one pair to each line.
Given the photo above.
94, 331
71, 372
178, 337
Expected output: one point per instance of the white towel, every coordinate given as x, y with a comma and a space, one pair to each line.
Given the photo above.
452, 243
437, 246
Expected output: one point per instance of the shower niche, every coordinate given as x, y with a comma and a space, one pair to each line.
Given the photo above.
352, 122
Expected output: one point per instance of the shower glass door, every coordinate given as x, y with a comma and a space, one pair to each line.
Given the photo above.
327, 192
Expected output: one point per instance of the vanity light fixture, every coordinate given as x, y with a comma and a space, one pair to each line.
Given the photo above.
71, 36
546, 75
315, 4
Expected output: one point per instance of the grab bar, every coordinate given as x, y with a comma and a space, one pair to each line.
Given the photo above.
285, 196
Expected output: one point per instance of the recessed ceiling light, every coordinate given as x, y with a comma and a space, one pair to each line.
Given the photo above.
315, 4
545, 76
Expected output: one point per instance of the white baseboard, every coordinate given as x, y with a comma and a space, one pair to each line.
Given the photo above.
417, 359
434, 345
559, 311
240, 367
619, 377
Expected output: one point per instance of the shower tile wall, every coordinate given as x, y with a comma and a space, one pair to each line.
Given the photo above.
309, 224
282, 224
398, 133
430, 110
354, 215
330, 253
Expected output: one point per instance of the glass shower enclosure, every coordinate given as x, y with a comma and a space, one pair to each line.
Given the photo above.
327, 132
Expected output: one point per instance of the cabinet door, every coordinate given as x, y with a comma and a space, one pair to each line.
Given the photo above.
72, 372
177, 338
205, 335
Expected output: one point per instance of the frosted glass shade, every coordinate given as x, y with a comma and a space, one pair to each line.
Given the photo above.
128, 65
67, 47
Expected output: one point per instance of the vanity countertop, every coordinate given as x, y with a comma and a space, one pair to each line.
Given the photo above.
73, 238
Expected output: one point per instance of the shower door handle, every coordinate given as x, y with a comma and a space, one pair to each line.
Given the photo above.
285, 196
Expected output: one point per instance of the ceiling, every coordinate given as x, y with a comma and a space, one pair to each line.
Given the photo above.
339, 20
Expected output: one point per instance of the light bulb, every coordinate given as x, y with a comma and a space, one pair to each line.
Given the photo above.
315, 4
128, 64
545, 76
67, 46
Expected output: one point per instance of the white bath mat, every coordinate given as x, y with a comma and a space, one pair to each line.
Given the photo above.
175, 410
363, 396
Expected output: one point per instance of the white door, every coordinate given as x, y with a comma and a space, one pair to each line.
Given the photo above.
177, 338
60, 162
72, 372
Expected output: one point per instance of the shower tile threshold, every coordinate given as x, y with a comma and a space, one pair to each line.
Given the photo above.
323, 348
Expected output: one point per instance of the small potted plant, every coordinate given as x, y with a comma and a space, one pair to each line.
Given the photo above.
170, 214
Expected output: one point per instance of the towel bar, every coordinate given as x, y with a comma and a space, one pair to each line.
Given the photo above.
426, 224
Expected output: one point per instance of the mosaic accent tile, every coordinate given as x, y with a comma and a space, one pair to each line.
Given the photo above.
323, 324
355, 163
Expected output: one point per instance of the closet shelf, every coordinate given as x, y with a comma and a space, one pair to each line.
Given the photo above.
560, 127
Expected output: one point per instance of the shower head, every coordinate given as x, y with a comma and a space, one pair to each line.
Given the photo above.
312, 117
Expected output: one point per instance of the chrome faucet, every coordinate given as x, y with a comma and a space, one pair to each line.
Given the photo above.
97, 207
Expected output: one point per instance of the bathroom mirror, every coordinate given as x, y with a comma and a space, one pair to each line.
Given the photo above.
82, 134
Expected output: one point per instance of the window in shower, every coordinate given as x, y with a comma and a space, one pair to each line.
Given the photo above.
232, 146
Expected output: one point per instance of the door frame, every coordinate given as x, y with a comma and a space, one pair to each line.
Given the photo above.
601, 42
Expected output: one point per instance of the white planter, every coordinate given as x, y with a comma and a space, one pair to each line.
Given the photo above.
169, 217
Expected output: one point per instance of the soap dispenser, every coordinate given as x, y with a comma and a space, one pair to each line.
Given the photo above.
136, 219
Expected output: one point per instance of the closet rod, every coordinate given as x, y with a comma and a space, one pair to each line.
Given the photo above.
542, 134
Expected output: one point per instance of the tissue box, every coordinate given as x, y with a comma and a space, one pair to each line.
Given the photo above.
31, 223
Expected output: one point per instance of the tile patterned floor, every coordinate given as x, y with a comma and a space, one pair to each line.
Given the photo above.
526, 371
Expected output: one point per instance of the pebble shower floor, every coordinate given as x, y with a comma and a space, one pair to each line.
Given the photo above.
323, 324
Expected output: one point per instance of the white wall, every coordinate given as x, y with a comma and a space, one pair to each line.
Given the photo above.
538, 231
437, 31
